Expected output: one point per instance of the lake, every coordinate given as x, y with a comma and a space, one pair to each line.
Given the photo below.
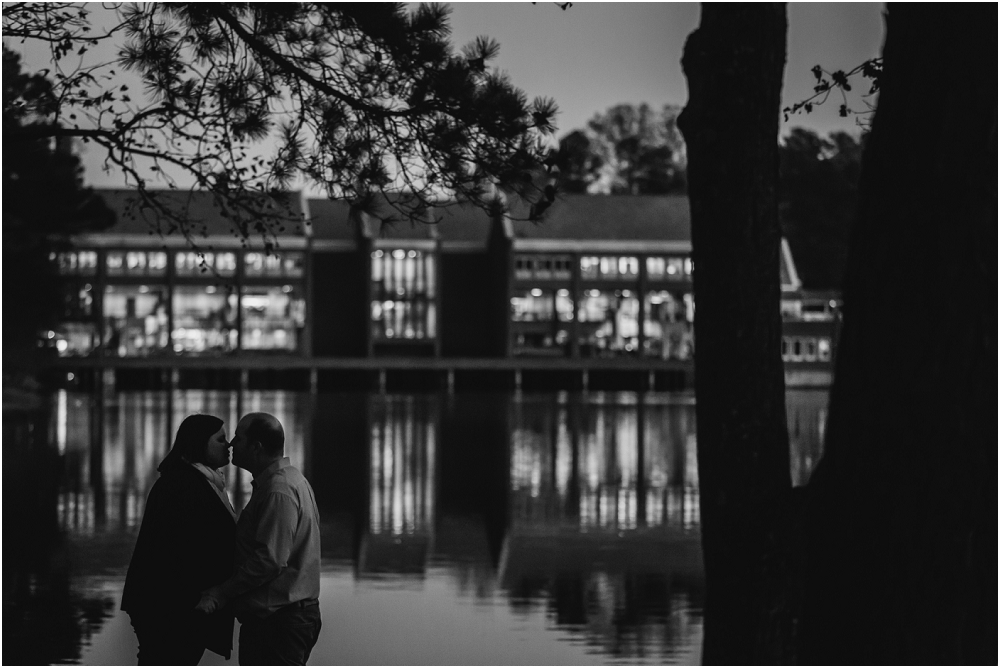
473, 528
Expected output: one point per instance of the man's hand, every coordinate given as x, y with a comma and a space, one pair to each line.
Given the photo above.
212, 599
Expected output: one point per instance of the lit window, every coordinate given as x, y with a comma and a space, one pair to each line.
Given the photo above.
273, 317
824, 350
589, 267
403, 291
273, 265
78, 263
203, 322
669, 334
136, 263
135, 320
609, 323
532, 306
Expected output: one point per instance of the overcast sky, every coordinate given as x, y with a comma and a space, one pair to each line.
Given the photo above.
595, 55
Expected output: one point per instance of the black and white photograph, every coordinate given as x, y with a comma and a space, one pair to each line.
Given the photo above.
499, 334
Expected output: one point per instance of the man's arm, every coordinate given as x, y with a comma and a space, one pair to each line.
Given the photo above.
272, 544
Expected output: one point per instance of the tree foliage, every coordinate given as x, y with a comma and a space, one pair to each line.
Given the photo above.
818, 197
245, 100
44, 200
626, 150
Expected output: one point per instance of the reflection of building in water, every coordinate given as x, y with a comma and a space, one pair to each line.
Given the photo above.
609, 461
807, 411
401, 486
111, 444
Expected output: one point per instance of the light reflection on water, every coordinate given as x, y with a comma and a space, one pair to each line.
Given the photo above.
465, 529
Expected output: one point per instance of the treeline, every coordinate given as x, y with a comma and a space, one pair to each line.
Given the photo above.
637, 150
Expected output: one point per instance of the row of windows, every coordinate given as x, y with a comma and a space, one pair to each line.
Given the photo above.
806, 349
402, 274
543, 267
135, 320
594, 267
608, 323
186, 263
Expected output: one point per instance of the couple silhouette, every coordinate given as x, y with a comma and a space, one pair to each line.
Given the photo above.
198, 564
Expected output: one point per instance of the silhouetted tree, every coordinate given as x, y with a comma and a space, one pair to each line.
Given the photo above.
818, 197
888, 556
44, 201
626, 150
243, 99
734, 63
900, 562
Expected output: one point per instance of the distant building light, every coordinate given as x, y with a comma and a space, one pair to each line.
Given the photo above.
377, 254
286, 288
412, 254
535, 292
399, 254
62, 345
210, 289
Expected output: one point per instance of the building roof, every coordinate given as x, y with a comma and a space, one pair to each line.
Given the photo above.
331, 220
204, 215
463, 223
609, 218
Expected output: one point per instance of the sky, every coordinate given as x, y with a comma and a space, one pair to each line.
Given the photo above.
593, 56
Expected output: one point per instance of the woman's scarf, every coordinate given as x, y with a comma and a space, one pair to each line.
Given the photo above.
218, 483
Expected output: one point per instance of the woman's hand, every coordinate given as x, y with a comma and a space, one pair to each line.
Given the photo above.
212, 600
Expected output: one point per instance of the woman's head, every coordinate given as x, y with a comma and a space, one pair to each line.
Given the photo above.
201, 439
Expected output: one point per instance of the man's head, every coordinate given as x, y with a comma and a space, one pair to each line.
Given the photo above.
259, 441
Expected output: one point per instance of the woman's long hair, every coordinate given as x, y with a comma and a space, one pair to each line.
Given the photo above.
189, 444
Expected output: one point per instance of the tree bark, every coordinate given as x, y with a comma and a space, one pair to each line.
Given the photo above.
901, 512
734, 63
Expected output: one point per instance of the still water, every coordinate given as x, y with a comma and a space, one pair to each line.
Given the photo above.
474, 528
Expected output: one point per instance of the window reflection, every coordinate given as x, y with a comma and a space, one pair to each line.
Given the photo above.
204, 320
609, 323
403, 291
669, 326
273, 317
403, 446
610, 474
135, 320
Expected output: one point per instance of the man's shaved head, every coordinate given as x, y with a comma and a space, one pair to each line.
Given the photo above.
265, 428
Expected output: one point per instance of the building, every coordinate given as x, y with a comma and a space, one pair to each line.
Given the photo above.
605, 282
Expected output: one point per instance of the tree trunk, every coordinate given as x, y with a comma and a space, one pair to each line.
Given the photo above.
734, 63
901, 513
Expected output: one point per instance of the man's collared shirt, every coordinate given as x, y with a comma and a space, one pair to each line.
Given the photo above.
277, 544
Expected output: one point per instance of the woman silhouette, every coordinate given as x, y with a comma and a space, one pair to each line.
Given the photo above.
185, 545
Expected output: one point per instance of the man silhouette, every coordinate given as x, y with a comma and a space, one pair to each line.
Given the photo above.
274, 590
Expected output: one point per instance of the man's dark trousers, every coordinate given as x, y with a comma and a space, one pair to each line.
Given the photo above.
283, 638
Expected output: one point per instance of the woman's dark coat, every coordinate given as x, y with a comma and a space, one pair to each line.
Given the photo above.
186, 544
